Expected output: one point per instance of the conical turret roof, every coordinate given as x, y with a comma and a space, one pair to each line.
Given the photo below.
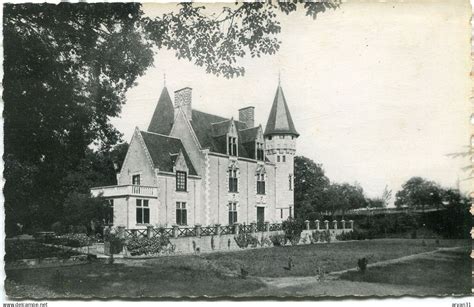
163, 117
279, 120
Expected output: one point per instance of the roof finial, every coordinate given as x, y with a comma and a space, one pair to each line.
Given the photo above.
164, 80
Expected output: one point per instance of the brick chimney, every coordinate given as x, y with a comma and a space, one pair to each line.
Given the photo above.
183, 99
246, 115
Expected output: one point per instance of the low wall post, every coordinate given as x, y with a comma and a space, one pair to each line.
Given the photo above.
343, 224
326, 224
175, 231
253, 227
335, 224
218, 229
267, 226
236, 229
317, 224
306, 223
149, 232
351, 224
198, 230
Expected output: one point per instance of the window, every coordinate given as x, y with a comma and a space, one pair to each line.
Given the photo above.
260, 183
109, 215
232, 145
283, 158
260, 151
136, 179
270, 138
181, 184
291, 212
143, 211
290, 182
278, 158
181, 214
232, 213
233, 183
281, 213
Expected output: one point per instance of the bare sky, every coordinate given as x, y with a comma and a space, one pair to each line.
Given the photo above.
378, 91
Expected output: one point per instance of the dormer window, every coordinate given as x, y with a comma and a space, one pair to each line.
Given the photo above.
260, 151
232, 146
181, 181
136, 179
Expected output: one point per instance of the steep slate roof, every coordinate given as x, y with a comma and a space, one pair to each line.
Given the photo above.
163, 151
279, 120
163, 117
211, 129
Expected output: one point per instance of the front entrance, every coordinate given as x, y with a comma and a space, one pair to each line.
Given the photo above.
260, 215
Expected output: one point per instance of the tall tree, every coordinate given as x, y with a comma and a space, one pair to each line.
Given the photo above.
310, 187
418, 192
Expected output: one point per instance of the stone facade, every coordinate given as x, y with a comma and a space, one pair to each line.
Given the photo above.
199, 145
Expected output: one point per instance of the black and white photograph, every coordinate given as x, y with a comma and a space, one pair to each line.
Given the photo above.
264, 150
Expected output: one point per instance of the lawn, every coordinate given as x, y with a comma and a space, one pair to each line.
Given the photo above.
307, 259
209, 274
447, 272
163, 277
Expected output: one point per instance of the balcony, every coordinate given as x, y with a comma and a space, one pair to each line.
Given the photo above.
125, 190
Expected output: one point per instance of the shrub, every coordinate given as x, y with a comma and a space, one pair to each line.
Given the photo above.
351, 235
149, 246
278, 239
243, 240
293, 229
362, 264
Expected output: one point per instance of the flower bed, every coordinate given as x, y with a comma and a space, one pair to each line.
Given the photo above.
149, 246
29, 249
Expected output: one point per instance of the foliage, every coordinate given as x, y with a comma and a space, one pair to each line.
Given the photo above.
149, 246
29, 249
244, 240
278, 239
215, 40
321, 236
265, 241
419, 193
85, 211
351, 235
293, 229
315, 194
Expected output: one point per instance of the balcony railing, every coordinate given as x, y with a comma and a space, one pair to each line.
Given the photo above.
124, 190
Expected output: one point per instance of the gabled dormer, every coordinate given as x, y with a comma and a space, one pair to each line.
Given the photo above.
181, 171
232, 139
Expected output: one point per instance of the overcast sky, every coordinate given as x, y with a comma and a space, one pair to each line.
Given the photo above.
378, 91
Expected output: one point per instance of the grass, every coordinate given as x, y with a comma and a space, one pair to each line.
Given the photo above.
29, 249
272, 262
214, 274
447, 272
163, 277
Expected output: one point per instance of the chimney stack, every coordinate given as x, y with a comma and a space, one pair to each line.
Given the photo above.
182, 99
246, 115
